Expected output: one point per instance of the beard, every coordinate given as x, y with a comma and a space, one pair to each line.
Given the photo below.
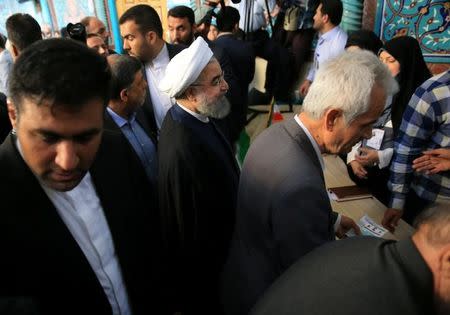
218, 109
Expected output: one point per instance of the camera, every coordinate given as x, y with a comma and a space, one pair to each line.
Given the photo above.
77, 32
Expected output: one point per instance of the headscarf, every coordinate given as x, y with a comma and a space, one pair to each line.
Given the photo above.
413, 72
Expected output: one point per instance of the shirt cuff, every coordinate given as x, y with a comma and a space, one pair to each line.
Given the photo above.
397, 202
384, 157
352, 154
338, 222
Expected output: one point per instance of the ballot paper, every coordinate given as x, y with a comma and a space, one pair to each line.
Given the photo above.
376, 140
368, 227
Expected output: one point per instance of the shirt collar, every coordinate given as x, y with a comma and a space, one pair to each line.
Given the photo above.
162, 59
200, 117
119, 120
313, 141
330, 34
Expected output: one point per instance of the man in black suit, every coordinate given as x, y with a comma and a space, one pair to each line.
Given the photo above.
142, 34
242, 59
365, 275
283, 209
124, 111
77, 233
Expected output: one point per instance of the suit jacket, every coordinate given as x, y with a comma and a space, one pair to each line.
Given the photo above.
148, 104
42, 262
361, 275
283, 212
242, 61
197, 192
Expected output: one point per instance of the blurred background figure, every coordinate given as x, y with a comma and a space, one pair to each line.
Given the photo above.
95, 41
364, 39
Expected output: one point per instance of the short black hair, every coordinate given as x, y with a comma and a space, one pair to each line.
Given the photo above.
146, 18
181, 12
23, 30
59, 72
334, 10
364, 39
2, 41
123, 71
227, 18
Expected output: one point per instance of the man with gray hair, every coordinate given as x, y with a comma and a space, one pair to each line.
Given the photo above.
198, 177
283, 209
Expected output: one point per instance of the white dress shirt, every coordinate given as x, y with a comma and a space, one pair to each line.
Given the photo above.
329, 46
155, 71
81, 211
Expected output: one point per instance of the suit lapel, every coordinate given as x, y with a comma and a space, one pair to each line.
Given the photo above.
147, 109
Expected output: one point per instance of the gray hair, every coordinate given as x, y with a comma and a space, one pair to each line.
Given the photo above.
437, 216
346, 83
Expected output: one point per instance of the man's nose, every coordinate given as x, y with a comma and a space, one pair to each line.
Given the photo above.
66, 156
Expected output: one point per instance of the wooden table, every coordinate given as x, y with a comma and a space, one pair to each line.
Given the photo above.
336, 175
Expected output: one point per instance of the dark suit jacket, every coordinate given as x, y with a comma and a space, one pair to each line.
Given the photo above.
148, 104
361, 275
283, 212
41, 260
242, 61
197, 192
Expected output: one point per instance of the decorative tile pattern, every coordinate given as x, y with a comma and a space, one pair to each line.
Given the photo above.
426, 20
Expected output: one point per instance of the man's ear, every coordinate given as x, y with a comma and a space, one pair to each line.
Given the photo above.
150, 36
332, 117
325, 18
190, 94
124, 95
13, 115
445, 263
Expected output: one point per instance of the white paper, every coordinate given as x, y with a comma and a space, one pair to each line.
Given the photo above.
376, 140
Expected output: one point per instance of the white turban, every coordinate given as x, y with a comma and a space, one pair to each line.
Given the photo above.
185, 67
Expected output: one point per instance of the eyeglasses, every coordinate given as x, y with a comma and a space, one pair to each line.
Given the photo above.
216, 82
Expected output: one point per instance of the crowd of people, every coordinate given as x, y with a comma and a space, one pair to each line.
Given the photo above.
121, 193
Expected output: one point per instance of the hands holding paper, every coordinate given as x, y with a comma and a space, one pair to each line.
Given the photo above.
433, 161
346, 225
367, 156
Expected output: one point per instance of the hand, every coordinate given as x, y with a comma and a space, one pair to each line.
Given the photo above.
304, 88
367, 157
358, 169
391, 218
433, 161
345, 225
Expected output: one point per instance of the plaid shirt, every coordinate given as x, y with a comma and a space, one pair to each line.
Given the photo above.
425, 126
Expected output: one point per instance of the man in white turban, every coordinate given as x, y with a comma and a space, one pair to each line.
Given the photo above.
198, 178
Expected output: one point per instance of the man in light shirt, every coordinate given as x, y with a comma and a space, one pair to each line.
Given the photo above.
332, 38
6, 63
142, 34
77, 233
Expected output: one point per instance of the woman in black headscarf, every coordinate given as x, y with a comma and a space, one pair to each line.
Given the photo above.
368, 161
